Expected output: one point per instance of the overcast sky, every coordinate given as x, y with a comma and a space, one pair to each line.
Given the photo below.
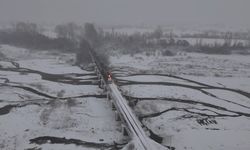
134, 12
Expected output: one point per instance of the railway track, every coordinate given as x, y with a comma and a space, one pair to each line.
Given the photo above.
140, 140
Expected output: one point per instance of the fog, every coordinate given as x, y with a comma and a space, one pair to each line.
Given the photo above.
130, 12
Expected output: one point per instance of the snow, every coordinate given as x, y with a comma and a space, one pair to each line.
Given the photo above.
91, 119
212, 140
242, 83
14, 52
156, 78
50, 33
49, 66
185, 94
193, 64
88, 119
129, 30
17, 77
232, 96
5, 64
233, 133
52, 88
210, 41
63, 147
180, 125
13, 94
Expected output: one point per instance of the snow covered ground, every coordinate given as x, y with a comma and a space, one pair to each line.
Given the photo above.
47, 103
209, 41
193, 101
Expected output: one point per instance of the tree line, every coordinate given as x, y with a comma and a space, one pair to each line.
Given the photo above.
28, 35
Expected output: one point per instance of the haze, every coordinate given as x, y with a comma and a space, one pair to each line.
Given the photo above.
130, 12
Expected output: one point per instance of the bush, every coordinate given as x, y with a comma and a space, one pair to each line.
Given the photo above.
215, 50
167, 53
83, 56
35, 40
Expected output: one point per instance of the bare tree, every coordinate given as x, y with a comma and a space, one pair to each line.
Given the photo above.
228, 39
25, 27
91, 34
83, 52
69, 31
158, 33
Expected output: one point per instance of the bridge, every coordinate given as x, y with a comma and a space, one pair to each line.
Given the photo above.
131, 125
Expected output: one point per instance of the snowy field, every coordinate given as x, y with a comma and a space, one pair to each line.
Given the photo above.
210, 41
47, 103
192, 101
189, 101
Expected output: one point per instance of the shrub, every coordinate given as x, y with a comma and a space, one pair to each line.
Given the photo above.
35, 40
167, 53
83, 56
215, 50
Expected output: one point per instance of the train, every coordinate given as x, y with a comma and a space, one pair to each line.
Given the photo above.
109, 79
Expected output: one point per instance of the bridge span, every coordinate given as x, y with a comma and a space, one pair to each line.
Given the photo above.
132, 126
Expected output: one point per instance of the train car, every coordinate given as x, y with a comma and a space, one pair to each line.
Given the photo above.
109, 78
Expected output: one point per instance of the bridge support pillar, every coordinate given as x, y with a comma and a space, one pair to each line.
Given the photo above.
132, 103
104, 87
113, 105
101, 84
108, 95
99, 76
124, 130
96, 70
117, 116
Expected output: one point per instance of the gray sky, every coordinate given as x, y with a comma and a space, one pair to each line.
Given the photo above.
231, 12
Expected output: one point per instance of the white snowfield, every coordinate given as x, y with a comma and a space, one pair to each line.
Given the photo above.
26, 115
193, 41
49, 66
140, 140
147, 91
189, 118
186, 115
